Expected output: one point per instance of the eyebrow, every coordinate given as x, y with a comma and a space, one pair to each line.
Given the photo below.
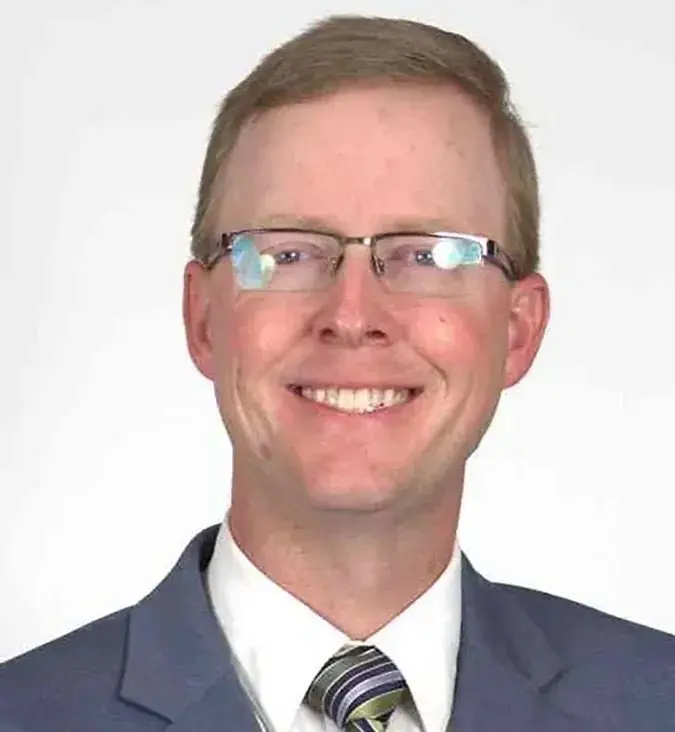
400, 224
293, 221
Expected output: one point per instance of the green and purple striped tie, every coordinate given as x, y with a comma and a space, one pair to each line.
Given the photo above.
358, 689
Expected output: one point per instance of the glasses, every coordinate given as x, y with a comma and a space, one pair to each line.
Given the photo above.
301, 260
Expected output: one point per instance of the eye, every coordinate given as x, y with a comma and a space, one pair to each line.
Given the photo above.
424, 257
293, 251
289, 256
412, 254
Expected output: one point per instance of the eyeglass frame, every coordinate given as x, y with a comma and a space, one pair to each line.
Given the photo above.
492, 253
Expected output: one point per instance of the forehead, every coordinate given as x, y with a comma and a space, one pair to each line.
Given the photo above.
367, 159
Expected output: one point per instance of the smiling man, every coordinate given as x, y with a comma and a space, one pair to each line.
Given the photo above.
363, 288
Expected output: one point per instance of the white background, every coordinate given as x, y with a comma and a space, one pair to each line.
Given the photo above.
111, 451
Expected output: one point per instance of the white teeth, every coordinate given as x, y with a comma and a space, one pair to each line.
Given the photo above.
331, 397
357, 401
362, 399
345, 400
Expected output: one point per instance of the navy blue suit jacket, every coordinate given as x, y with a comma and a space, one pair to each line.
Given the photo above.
528, 662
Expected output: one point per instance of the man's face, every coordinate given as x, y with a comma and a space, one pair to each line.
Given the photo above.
360, 162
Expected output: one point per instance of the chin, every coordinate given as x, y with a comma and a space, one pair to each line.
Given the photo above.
351, 500
341, 489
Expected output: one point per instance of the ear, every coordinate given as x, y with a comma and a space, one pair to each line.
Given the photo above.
528, 318
197, 316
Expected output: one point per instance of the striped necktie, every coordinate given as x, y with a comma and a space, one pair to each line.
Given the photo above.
358, 689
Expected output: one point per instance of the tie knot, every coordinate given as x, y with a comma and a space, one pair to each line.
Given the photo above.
358, 688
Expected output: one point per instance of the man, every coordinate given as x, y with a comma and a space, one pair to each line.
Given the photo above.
363, 287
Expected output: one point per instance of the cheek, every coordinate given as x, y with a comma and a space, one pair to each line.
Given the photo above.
252, 337
456, 336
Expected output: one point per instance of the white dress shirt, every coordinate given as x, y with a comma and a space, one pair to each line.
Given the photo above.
280, 644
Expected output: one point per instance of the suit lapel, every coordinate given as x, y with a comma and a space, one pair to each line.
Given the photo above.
224, 706
505, 665
178, 662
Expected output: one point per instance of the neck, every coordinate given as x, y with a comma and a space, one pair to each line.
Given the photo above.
356, 570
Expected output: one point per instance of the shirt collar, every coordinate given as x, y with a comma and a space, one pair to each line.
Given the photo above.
423, 641
266, 626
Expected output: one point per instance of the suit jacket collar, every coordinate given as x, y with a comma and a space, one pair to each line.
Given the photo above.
179, 664
505, 665
176, 650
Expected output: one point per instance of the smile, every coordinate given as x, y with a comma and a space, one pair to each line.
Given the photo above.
365, 400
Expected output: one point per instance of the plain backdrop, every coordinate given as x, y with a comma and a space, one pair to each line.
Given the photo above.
112, 454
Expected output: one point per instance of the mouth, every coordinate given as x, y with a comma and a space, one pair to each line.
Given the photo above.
358, 401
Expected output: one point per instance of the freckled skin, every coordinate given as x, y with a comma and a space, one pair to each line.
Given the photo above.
361, 161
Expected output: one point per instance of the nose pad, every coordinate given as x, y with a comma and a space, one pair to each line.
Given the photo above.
376, 264
337, 263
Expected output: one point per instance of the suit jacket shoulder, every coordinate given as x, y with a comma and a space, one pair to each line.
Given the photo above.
70, 683
581, 633
161, 664
588, 665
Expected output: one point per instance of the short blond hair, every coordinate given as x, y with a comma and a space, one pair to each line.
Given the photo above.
345, 51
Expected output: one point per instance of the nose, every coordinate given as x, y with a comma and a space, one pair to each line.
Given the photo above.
355, 310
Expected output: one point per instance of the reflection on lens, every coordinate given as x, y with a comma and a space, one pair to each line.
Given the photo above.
453, 252
267, 265
252, 270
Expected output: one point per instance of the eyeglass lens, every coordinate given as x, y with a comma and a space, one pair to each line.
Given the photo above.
303, 261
